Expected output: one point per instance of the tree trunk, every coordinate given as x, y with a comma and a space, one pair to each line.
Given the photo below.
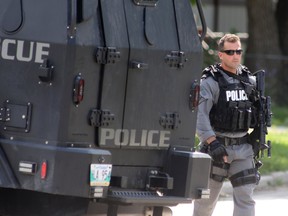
282, 21
263, 50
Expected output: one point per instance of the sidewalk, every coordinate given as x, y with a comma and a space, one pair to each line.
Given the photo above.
267, 196
267, 181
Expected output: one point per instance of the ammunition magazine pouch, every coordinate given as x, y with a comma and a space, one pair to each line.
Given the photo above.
236, 117
219, 171
249, 176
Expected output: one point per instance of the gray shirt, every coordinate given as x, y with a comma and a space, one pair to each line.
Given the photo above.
209, 94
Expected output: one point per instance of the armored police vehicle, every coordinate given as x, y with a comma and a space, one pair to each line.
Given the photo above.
98, 104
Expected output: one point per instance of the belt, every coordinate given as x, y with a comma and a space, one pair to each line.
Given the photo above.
232, 141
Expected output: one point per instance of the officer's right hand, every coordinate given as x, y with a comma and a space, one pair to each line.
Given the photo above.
204, 148
217, 151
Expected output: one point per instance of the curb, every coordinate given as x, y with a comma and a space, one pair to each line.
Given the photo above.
272, 180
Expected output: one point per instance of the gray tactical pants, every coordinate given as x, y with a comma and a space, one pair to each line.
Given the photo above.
240, 157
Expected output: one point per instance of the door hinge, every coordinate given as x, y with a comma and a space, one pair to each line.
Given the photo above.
176, 59
107, 55
99, 118
170, 120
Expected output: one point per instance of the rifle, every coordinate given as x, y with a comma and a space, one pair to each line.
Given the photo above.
263, 117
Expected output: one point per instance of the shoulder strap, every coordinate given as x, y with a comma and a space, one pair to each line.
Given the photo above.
241, 77
212, 71
238, 77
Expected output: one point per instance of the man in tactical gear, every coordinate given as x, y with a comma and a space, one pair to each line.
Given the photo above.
225, 114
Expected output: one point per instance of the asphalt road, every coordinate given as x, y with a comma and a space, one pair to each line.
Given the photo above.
272, 201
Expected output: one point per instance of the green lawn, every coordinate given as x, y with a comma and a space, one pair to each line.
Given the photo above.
278, 135
279, 159
280, 116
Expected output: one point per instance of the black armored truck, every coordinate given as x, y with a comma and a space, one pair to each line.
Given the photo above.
98, 106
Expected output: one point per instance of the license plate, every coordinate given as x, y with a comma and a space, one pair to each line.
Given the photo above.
100, 174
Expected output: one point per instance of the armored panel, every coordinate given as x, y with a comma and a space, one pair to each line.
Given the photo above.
49, 84
41, 61
103, 73
27, 56
163, 62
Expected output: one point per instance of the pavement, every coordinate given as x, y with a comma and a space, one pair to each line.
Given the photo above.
271, 196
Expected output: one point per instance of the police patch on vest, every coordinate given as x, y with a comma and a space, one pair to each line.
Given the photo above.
236, 95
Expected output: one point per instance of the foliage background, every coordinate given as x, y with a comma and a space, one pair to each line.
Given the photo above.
267, 45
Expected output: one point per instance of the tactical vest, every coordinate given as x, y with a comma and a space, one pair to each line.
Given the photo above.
233, 111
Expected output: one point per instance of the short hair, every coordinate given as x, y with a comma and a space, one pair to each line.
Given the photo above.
232, 38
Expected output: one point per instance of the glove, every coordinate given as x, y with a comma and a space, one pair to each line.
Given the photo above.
217, 151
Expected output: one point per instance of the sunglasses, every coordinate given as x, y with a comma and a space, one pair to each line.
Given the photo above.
231, 52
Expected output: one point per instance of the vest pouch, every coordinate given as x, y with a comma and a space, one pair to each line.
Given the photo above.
225, 119
254, 121
241, 115
240, 122
232, 115
248, 88
248, 116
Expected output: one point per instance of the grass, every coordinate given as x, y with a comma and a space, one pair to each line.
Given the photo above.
277, 134
279, 160
280, 116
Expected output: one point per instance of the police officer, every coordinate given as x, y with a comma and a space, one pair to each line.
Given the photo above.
225, 113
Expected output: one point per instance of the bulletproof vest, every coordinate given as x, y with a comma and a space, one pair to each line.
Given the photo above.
233, 111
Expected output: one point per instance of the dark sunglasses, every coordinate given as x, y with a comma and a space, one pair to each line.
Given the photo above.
231, 52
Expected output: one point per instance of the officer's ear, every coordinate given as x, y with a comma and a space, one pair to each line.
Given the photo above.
220, 54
